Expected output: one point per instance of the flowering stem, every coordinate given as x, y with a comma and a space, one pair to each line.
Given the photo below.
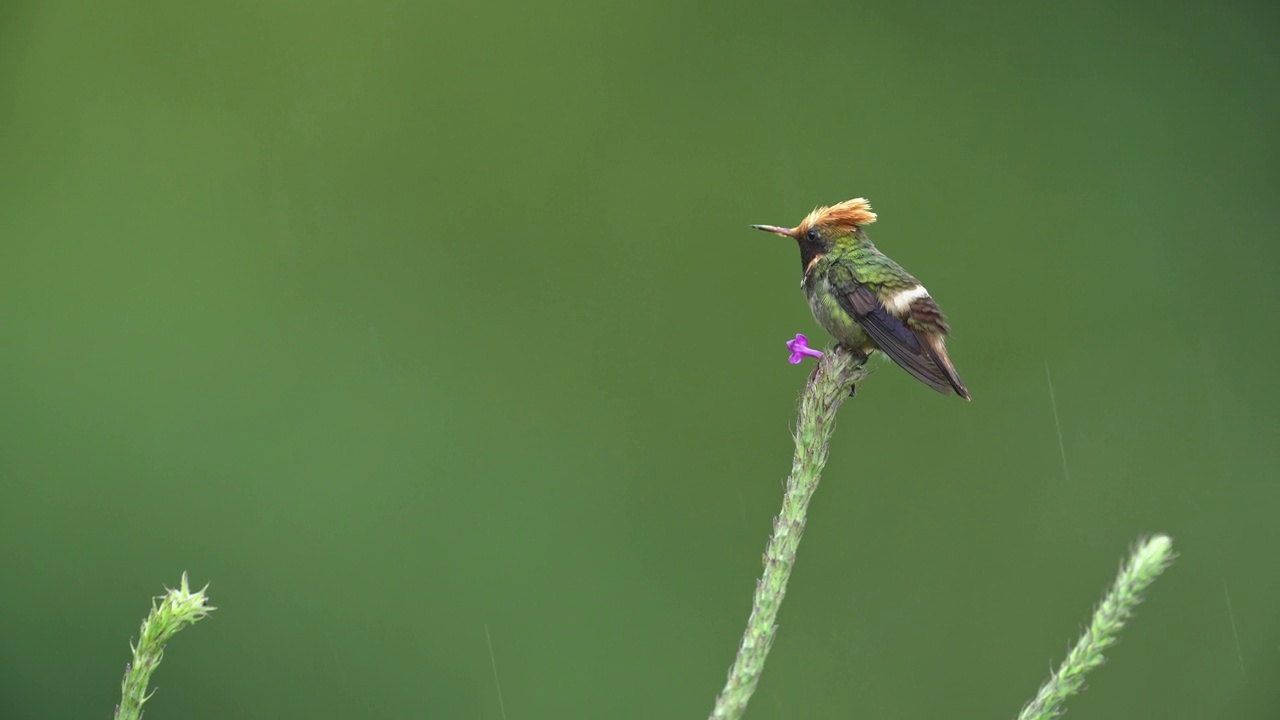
177, 609
1148, 560
837, 373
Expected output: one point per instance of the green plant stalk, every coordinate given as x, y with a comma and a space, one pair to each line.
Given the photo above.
828, 386
176, 610
1149, 558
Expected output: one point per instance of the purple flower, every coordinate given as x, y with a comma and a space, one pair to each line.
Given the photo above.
800, 349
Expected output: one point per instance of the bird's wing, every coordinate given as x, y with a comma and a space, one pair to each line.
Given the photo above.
895, 338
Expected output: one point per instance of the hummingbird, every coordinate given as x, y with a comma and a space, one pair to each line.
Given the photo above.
867, 301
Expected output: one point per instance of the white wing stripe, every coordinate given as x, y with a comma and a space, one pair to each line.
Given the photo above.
901, 302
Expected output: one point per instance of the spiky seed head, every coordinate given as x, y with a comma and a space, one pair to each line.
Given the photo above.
848, 215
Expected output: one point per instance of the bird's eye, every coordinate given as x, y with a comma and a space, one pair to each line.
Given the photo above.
812, 234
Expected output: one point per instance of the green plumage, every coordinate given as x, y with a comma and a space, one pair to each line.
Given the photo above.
867, 301
837, 273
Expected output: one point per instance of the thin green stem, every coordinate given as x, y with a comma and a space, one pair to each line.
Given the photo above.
177, 609
1149, 558
828, 386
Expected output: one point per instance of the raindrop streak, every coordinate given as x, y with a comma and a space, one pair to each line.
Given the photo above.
494, 660
1053, 403
1232, 615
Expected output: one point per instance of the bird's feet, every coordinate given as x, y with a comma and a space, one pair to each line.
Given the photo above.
857, 354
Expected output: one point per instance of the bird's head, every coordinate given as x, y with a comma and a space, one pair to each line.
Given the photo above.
828, 228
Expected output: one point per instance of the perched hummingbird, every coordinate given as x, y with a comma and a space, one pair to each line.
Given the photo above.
866, 300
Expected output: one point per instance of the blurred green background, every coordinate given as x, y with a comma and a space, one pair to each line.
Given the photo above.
397, 322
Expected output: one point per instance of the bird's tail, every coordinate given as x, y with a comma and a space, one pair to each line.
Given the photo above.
937, 349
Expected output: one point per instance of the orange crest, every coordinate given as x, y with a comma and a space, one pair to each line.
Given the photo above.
848, 214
